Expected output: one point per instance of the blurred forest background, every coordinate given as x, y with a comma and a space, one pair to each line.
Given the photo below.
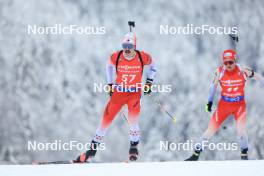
46, 81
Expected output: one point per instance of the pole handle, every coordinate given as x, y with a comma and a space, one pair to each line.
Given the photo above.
131, 24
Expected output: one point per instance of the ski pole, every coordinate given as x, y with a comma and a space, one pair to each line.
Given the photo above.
125, 117
157, 102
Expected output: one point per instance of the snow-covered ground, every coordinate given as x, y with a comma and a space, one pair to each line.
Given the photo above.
203, 168
47, 81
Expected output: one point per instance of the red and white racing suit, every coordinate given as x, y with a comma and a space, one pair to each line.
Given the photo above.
128, 78
232, 102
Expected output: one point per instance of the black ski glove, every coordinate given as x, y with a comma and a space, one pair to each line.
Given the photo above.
208, 107
147, 86
110, 89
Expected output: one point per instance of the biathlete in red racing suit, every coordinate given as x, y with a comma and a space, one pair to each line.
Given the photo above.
232, 79
127, 67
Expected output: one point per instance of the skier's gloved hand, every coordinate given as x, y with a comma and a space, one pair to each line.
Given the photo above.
208, 107
110, 89
148, 86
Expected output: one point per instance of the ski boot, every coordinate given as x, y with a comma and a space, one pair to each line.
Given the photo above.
244, 155
133, 151
86, 157
195, 156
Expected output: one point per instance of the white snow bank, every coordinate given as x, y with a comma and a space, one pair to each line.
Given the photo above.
201, 168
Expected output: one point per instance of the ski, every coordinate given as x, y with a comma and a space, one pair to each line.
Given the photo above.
57, 162
70, 162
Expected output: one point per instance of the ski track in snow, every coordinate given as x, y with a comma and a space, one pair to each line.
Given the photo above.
200, 168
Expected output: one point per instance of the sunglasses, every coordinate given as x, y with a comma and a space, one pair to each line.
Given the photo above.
127, 46
229, 62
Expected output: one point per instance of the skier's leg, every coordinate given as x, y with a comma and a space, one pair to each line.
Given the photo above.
214, 124
114, 105
240, 117
221, 113
112, 108
133, 118
219, 116
110, 112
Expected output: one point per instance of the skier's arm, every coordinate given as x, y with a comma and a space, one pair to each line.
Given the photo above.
110, 72
262, 82
253, 75
151, 72
213, 88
